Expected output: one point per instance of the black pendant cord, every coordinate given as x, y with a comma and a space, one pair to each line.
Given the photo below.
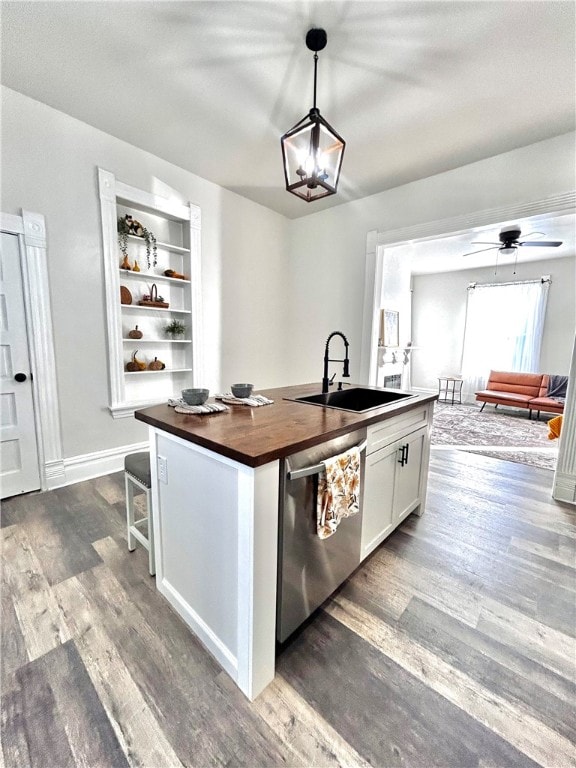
315, 73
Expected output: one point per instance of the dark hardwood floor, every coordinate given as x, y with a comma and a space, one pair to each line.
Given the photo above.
453, 645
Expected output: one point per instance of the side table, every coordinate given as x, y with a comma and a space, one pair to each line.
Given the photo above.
450, 389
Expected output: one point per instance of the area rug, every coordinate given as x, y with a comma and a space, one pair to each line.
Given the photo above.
500, 433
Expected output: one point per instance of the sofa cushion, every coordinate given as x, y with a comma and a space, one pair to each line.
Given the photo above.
492, 395
529, 384
546, 404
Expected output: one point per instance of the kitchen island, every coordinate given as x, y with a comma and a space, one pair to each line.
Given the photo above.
216, 492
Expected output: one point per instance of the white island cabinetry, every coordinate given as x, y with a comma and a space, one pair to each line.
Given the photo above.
397, 457
216, 486
216, 535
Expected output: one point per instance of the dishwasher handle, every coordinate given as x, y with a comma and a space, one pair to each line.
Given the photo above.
315, 469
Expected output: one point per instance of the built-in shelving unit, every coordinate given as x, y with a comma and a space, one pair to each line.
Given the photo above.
176, 227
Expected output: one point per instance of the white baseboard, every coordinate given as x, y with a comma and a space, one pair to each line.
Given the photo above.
54, 474
564, 487
89, 465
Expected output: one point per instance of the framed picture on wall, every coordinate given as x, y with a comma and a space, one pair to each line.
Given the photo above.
389, 336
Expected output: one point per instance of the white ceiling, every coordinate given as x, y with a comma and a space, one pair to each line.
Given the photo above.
415, 88
447, 254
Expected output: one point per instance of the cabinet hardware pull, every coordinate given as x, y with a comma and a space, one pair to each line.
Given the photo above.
403, 454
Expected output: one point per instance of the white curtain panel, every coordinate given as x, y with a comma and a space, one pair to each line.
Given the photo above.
504, 325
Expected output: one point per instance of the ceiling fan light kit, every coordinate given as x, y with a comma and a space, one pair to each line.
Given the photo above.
509, 238
312, 150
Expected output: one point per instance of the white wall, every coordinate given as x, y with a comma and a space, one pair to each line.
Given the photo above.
273, 289
49, 166
327, 249
439, 314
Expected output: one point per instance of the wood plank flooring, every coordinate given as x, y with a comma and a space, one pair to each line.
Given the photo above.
454, 645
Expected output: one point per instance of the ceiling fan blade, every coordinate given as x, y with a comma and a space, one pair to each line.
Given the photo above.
530, 234
485, 242
543, 243
480, 251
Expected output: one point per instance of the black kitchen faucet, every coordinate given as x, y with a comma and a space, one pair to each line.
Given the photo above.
346, 361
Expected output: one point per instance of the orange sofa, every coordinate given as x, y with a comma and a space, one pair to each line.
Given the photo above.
519, 390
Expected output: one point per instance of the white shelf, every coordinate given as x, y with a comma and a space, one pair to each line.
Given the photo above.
155, 373
158, 341
162, 246
155, 309
150, 278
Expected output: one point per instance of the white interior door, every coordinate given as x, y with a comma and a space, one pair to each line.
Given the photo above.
19, 466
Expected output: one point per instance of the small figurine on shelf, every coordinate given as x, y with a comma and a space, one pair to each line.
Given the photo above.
135, 268
156, 365
125, 264
135, 333
174, 275
135, 365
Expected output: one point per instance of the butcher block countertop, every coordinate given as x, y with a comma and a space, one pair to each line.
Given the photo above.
256, 436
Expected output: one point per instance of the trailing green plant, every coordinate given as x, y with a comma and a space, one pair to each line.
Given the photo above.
127, 225
123, 232
175, 328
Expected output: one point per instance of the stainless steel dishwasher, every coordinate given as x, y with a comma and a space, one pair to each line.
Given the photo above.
310, 568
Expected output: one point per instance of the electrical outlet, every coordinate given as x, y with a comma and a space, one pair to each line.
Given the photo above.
163, 469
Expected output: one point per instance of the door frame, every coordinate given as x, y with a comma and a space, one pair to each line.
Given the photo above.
30, 229
564, 485
378, 240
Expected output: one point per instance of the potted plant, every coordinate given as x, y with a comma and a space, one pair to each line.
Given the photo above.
127, 225
175, 328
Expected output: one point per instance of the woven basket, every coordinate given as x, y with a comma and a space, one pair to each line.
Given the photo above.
153, 302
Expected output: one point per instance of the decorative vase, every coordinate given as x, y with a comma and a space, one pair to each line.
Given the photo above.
135, 268
125, 264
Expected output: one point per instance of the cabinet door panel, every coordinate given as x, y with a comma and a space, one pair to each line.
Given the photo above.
408, 477
378, 497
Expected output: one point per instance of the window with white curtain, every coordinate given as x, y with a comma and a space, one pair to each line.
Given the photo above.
504, 325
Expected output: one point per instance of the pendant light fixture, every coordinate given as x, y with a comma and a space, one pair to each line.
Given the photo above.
312, 151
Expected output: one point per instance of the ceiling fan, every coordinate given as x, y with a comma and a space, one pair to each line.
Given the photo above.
510, 241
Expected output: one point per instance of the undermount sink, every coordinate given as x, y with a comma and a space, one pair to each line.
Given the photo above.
354, 399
